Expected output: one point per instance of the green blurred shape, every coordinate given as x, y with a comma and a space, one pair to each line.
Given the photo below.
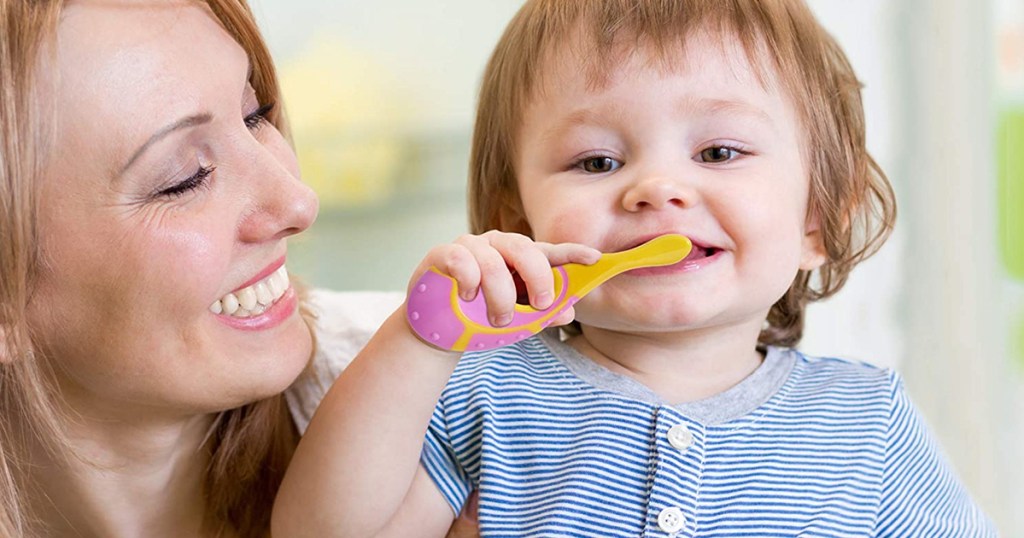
1011, 190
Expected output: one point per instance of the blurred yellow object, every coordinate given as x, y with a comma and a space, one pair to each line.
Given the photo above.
347, 122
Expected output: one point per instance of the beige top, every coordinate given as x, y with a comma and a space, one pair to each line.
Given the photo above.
345, 322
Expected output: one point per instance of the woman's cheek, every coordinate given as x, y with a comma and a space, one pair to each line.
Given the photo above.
194, 264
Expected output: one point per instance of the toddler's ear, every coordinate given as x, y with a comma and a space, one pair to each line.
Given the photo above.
813, 253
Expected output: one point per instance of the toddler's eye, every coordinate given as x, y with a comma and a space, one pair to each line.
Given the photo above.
599, 165
718, 154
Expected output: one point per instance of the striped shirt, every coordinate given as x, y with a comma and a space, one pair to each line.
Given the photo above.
560, 446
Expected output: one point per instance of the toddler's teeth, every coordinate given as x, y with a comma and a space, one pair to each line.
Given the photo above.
230, 303
216, 307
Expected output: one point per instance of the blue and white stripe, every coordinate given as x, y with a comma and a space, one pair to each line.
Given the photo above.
837, 450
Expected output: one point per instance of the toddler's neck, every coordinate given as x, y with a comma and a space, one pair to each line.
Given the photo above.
677, 368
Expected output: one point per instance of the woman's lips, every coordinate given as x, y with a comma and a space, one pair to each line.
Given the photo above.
274, 315
255, 298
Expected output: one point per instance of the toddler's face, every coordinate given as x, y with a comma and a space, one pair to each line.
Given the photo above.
705, 150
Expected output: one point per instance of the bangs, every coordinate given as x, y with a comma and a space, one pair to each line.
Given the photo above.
602, 35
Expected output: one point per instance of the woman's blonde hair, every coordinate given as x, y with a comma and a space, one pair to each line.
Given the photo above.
849, 193
250, 446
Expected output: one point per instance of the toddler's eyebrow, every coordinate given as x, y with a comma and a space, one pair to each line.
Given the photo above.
688, 106
713, 106
583, 116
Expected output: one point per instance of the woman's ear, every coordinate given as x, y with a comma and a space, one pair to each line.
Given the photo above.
812, 253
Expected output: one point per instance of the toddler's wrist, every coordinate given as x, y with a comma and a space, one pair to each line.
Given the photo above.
407, 320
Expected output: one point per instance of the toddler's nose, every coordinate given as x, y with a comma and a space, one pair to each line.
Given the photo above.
658, 192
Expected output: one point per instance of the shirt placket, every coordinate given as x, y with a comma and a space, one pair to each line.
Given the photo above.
677, 471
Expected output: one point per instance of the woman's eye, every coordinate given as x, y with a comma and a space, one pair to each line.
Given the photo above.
193, 182
718, 154
599, 165
256, 120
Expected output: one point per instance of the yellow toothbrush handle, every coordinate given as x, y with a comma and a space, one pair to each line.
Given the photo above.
662, 250
437, 314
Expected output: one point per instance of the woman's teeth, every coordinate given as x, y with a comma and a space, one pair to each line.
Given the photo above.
253, 300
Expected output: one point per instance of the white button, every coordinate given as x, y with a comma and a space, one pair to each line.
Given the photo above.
680, 437
671, 520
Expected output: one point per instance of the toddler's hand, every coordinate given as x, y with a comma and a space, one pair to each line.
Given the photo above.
485, 263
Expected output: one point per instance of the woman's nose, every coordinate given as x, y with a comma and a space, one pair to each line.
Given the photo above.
658, 192
282, 206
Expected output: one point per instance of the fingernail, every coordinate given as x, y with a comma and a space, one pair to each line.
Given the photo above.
502, 320
542, 300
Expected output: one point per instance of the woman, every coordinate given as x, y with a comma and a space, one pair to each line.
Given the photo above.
147, 327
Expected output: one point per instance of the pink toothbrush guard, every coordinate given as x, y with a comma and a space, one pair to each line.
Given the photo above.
441, 318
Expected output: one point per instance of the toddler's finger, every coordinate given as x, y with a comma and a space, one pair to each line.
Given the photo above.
531, 264
495, 280
563, 253
456, 261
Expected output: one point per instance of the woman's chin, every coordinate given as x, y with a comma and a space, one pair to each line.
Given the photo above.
265, 367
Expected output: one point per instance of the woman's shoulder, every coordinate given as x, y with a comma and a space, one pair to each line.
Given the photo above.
342, 323
342, 315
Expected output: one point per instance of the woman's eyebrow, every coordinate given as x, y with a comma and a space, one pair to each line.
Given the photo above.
183, 123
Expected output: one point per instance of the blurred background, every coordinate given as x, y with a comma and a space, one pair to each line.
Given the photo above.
381, 97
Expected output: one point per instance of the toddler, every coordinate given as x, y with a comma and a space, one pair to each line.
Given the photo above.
674, 404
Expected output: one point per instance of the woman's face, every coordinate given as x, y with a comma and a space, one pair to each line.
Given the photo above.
164, 193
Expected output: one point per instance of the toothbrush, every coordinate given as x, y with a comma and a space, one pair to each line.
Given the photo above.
437, 314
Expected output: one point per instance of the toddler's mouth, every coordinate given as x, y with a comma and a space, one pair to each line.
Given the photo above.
700, 255
700, 252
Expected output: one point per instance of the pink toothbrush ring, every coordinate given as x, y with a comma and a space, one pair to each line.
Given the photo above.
441, 318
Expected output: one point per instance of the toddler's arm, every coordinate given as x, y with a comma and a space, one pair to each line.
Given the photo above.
356, 471
921, 494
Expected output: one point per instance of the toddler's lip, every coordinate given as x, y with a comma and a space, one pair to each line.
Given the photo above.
698, 258
698, 244
699, 252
